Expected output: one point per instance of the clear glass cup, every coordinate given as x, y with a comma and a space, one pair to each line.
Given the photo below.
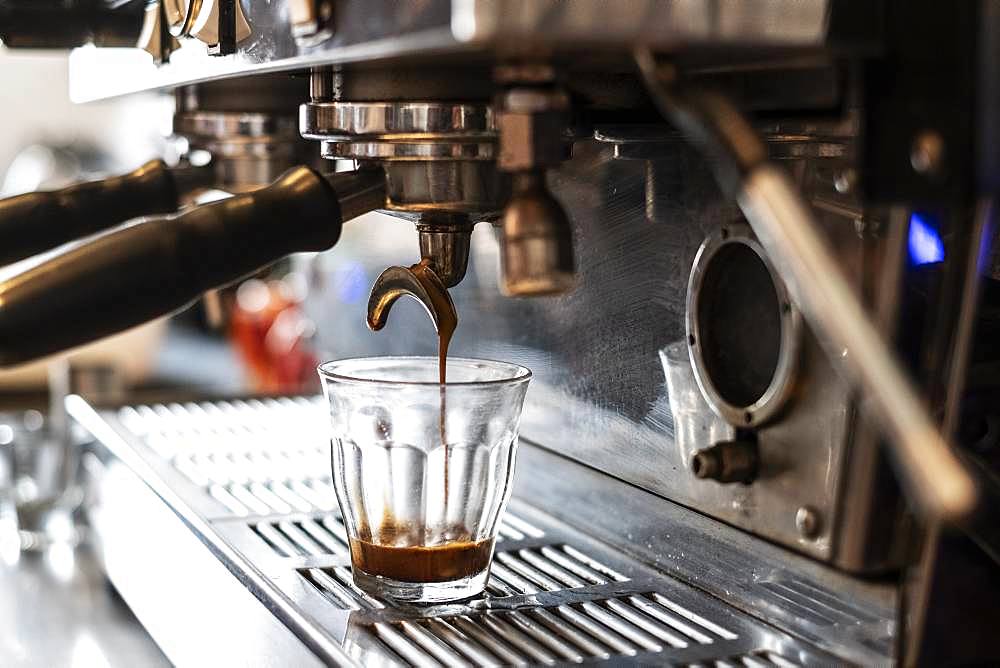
423, 471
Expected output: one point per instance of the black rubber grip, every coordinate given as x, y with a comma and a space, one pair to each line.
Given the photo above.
39, 221
157, 265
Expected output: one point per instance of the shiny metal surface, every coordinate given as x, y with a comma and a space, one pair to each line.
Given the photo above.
426, 288
447, 248
561, 591
438, 156
643, 21
933, 474
437, 186
199, 19
205, 15
409, 150
58, 609
173, 541
318, 120
381, 29
177, 14
600, 395
778, 214
787, 339
312, 20
536, 250
248, 150
232, 125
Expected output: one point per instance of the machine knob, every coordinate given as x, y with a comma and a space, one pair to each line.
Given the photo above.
205, 22
200, 19
158, 265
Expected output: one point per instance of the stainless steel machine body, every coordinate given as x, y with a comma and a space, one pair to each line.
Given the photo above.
599, 394
699, 480
586, 568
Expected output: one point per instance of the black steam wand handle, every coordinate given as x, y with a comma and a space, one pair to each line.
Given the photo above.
35, 222
157, 265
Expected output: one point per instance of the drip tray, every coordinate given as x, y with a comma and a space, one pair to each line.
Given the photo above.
248, 483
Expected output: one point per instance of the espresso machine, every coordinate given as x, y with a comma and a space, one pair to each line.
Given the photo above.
747, 249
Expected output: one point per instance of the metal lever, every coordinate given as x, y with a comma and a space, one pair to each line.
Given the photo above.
35, 222
938, 481
155, 266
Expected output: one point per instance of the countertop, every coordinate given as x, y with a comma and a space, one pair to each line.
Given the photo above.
57, 609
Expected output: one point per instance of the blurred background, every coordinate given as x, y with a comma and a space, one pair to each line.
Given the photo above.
250, 338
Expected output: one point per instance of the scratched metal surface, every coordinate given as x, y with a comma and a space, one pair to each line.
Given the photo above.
599, 393
598, 345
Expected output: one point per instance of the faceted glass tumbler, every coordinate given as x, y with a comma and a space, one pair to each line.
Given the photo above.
422, 470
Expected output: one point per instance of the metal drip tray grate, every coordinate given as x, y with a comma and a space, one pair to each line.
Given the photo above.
254, 476
600, 628
522, 572
762, 659
255, 457
289, 538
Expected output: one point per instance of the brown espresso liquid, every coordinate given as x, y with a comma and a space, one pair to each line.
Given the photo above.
458, 558
419, 563
447, 321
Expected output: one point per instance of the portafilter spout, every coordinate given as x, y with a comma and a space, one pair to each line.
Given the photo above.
444, 251
444, 245
420, 282
157, 265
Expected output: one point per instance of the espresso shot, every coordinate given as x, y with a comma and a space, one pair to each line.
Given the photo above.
438, 563
423, 486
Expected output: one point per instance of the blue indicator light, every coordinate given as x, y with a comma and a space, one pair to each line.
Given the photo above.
925, 243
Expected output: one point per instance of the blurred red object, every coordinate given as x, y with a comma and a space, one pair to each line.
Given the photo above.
271, 334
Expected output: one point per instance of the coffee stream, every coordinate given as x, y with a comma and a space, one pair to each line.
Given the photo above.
459, 557
447, 321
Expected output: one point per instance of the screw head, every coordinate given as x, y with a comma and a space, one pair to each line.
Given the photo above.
807, 522
927, 152
845, 180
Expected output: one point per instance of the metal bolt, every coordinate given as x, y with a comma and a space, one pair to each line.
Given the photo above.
525, 73
927, 152
728, 461
845, 181
321, 84
807, 522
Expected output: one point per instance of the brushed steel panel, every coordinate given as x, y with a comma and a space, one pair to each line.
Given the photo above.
599, 394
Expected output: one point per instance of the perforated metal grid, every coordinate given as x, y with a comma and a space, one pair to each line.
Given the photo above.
254, 456
549, 568
601, 628
554, 596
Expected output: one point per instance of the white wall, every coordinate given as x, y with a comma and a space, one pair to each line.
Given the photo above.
35, 107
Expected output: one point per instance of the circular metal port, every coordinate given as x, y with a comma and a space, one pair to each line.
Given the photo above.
743, 330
